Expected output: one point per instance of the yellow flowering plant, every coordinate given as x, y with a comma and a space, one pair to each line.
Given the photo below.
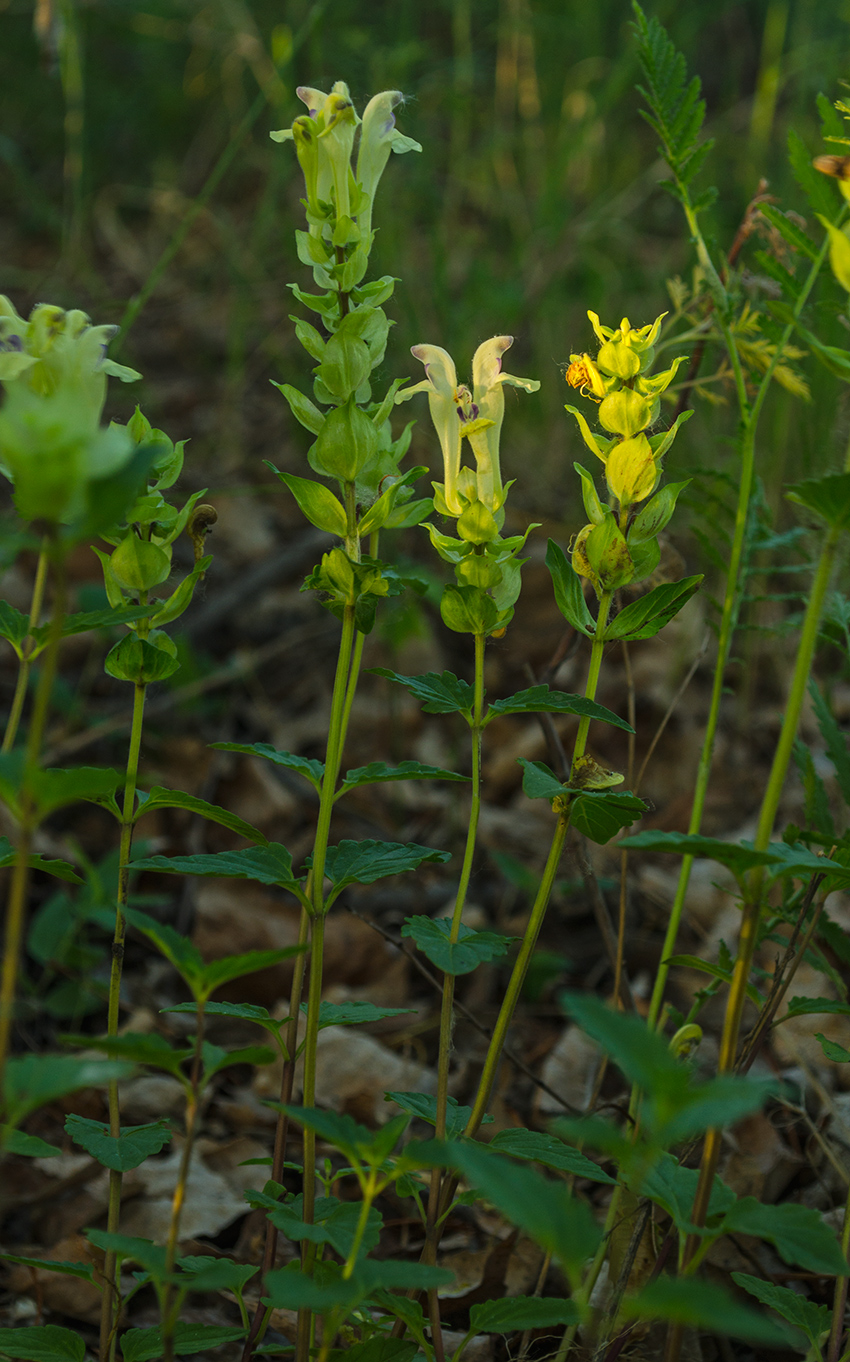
620, 544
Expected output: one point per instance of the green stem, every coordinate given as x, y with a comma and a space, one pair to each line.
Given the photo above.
314, 1000
593, 673
19, 884
260, 1320
840, 1296
370, 1191
728, 621
352, 539
109, 1304
357, 657
512, 993
193, 1103
538, 911
27, 650
447, 1004
317, 875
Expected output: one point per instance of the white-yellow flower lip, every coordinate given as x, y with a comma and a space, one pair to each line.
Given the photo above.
478, 415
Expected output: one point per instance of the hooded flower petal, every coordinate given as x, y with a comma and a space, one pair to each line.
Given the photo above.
442, 388
488, 382
378, 137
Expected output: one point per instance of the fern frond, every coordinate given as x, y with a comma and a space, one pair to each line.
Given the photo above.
675, 109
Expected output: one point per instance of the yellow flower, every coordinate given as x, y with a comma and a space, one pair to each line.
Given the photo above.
584, 375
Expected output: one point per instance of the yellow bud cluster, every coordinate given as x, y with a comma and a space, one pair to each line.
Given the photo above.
619, 547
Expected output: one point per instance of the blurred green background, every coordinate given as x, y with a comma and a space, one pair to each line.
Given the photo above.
535, 197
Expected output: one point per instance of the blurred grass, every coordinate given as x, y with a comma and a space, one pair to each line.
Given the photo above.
535, 197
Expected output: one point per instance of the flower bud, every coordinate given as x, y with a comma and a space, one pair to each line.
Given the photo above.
631, 471
626, 413
618, 359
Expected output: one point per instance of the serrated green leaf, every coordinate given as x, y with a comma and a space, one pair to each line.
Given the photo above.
43, 1343
178, 950
599, 814
684, 1300
646, 616
308, 767
538, 781
161, 798
152, 1257
379, 771
675, 1105
26, 1146
128, 1150
84, 1271
60, 870
31, 1081
800, 1235
833, 1050
244, 1011
356, 1141
432, 936
368, 861
51, 789
804, 1007
739, 859
289, 1288
522, 1312
138, 1048
334, 1222
217, 1274
355, 1013
673, 1187
548, 1150
14, 626
542, 700
215, 1058
423, 1105
440, 693
269, 864
813, 1320
716, 972
569, 592
545, 1210
142, 1345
